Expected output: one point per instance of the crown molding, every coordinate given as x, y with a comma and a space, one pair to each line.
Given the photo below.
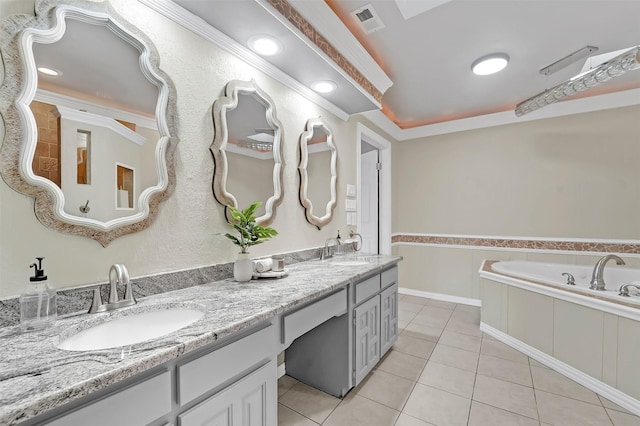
79, 104
577, 106
199, 27
101, 121
320, 15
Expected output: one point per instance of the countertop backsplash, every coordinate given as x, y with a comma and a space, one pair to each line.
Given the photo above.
78, 299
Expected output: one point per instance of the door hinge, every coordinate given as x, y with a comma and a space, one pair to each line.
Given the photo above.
378, 166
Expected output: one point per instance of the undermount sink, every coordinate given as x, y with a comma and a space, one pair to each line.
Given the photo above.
131, 329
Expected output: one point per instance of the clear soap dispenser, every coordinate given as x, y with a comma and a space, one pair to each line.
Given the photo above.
38, 307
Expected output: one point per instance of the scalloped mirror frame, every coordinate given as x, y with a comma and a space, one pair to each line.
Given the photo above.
305, 137
17, 90
221, 135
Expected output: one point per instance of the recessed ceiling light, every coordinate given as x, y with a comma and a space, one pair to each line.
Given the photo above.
264, 45
490, 64
49, 71
324, 86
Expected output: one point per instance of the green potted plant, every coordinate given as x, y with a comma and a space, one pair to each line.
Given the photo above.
249, 234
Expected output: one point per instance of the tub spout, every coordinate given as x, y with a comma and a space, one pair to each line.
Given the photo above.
597, 280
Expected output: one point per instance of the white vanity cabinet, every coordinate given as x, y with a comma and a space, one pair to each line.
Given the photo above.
230, 382
375, 321
338, 354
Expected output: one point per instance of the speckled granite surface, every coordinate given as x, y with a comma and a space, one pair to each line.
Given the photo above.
35, 376
78, 299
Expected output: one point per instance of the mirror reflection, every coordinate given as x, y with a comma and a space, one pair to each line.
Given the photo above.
317, 169
95, 115
247, 150
86, 95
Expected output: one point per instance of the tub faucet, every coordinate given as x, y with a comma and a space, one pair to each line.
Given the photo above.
597, 280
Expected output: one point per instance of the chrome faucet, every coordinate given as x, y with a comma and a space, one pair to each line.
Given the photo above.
326, 251
597, 280
118, 274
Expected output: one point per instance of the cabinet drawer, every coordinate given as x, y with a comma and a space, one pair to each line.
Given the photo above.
389, 277
250, 401
299, 322
213, 369
139, 404
367, 288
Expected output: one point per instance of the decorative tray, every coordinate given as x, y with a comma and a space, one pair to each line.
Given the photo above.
271, 274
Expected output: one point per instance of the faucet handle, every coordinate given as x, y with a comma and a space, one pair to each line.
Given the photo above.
624, 289
96, 302
570, 279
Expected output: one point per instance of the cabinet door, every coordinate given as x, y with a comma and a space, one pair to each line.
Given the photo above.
251, 401
366, 337
388, 318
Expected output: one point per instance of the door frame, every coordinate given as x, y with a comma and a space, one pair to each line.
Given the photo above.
363, 133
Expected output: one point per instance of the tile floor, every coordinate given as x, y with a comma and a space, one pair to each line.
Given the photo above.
444, 371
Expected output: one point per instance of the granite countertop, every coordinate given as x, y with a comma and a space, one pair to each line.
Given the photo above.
35, 376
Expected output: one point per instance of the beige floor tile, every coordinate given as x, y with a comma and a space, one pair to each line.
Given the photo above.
436, 312
500, 350
622, 419
610, 404
534, 363
442, 304
424, 332
489, 337
386, 389
402, 325
467, 308
404, 315
460, 341
288, 417
285, 383
514, 372
508, 396
430, 320
558, 410
438, 407
464, 328
548, 380
465, 316
415, 299
309, 402
401, 364
403, 305
486, 415
412, 346
455, 357
355, 410
406, 420
447, 378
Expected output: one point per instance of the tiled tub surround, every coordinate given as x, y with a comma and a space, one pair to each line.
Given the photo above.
78, 299
587, 337
36, 377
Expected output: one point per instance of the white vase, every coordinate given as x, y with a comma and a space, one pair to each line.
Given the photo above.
243, 268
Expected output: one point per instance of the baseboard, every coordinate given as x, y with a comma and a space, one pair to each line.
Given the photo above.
281, 370
609, 392
440, 296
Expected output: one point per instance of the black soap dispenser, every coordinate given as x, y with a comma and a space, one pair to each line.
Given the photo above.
38, 307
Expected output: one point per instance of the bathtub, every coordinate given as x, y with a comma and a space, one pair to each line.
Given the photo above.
587, 335
547, 278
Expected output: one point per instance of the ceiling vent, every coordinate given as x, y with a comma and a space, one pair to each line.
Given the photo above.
368, 18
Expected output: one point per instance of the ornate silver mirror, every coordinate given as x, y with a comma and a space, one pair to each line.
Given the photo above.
247, 150
91, 133
318, 177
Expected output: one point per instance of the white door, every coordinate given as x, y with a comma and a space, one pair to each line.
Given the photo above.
369, 194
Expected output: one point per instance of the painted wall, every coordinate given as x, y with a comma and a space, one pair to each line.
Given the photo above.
187, 231
569, 177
